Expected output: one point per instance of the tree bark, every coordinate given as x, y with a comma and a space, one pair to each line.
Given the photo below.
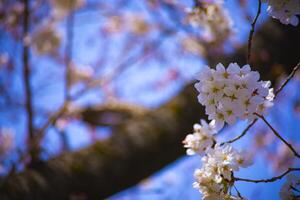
147, 141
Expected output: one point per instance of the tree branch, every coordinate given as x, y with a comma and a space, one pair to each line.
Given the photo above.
69, 54
279, 136
292, 74
252, 31
242, 134
268, 180
28, 92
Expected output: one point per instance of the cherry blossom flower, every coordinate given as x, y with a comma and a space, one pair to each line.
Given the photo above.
201, 139
215, 176
232, 93
287, 191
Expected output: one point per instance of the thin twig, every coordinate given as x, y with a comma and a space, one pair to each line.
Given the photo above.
278, 135
68, 61
252, 31
268, 180
52, 120
69, 54
238, 192
287, 79
295, 189
242, 134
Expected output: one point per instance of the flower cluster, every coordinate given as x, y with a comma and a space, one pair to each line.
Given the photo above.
214, 20
229, 94
284, 10
6, 141
215, 177
232, 93
4, 59
62, 8
134, 23
46, 39
80, 74
10, 16
289, 189
201, 139
193, 45
137, 24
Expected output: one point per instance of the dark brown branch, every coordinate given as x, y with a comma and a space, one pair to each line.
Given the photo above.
279, 136
238, 192
242, 134
268, 180
252, 31
292, 74
28, 92
26, 71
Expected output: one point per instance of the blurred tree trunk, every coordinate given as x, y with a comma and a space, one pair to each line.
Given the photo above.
148, 141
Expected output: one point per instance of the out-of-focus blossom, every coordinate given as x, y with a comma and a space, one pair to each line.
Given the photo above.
194, 46
27, 40
215, 21
263, 138
6, 140
62, 8
131, 22
284, 10
4, 59
283, 157
137, 24
46, 39
81, 74
114, 24
61, 124
288, 190
10, 16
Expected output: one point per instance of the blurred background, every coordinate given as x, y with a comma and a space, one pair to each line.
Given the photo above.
96, 96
